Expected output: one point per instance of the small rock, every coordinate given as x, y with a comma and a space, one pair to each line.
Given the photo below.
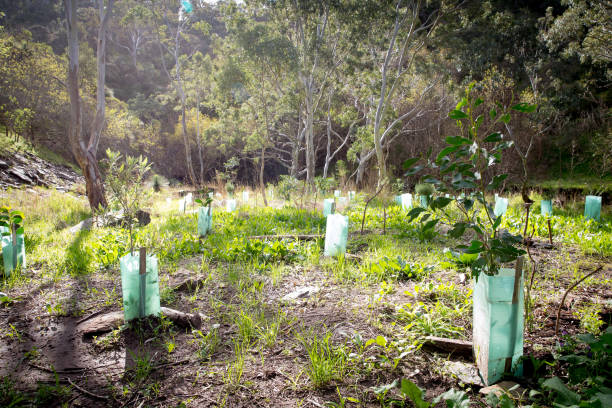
504, 387
301, 293
466, 373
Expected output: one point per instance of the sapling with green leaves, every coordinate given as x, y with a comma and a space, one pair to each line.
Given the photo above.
466, 170
12, 223
125, 181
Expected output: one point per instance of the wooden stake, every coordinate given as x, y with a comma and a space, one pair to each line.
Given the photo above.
549, 233
143, 280
14, 244
518, 272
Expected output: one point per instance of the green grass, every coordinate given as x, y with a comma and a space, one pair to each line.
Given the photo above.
397, 285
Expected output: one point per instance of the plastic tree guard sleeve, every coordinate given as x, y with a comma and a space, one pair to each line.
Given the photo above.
406, 201
329, 206
336, 235
231, 205
501, 206
498, 324
130, 284
546, 208
592, 207
204, 220
13, 254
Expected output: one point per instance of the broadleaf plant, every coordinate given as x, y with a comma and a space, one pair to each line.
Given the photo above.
464, 172
12, 220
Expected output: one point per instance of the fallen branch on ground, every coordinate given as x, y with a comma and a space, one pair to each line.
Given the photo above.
84, 391
113, 320
303, 237
567, 292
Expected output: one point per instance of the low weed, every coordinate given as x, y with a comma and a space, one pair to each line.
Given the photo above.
326, 362
207, 344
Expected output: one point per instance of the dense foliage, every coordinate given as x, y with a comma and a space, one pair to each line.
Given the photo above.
292, 87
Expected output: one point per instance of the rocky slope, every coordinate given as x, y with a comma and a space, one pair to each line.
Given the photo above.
24, 168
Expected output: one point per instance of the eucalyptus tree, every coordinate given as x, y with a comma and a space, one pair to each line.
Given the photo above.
266, 58
312, 26
132, 32
400, 29
198, 88
174, 25
84, 150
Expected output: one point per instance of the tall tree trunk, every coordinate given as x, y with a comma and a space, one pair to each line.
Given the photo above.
295, 147
262, 164
309, 126
198, 141
181, 92
85, 154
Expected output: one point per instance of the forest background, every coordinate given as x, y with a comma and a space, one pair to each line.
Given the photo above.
344, 88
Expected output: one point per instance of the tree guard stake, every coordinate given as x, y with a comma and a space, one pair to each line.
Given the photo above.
143, 280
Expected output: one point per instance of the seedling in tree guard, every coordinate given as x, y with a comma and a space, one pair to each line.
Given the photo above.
12, 221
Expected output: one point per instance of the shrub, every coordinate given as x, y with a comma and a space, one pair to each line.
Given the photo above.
424, 189
286, 186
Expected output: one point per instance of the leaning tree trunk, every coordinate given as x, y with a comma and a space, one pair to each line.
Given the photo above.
85, 154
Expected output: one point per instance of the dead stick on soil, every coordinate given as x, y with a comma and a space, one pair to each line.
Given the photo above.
287, 236
365, 208
567, 292
84, 391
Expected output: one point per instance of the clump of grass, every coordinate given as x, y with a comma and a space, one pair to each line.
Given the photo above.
326, 363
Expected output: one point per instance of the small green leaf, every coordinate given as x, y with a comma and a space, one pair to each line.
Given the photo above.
493, 137
492, 113
457, 140
505, 118
410, 162
381, 341
457, 114
524, 107
446, 151
414, 393
461, 103
565, 395
415, 212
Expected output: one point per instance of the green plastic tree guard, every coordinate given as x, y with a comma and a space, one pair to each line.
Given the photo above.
336, 234
182, 205
13, 253
204, 220
337, 193
231, 205
329, 206
546, 207
132, 287
406, 201
501, 206
398, 199
498, 323
351, 195
211, 195
342, 201
424, 200
592, 207
245, 196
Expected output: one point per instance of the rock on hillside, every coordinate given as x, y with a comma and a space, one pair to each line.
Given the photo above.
27, 169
